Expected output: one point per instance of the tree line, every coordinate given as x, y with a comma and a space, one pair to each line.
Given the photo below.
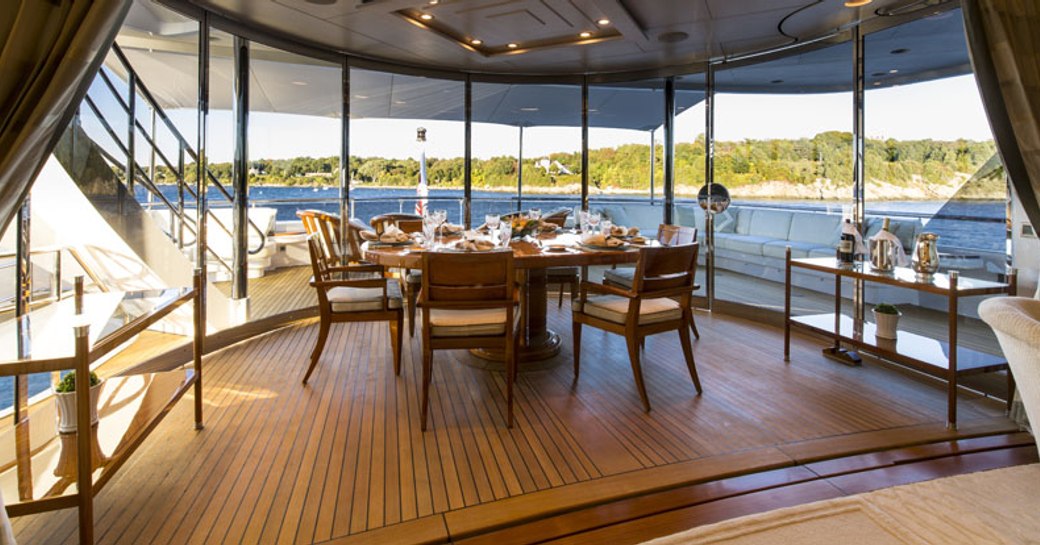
826, 156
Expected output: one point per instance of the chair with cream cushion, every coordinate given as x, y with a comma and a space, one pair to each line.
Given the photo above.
409, 223
1016, 321
658, 301
669, 235
468, 301
353, 299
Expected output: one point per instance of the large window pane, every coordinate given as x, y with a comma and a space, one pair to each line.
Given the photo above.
386, 111
932, 165
784, 149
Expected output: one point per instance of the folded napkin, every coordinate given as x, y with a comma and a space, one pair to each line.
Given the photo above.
478, 245
450, 228
392, 234
368, 235
618, 230
600, 240
633, 231
547, 227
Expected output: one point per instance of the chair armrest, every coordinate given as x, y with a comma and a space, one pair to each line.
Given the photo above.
362, 267
360, 283
468, 305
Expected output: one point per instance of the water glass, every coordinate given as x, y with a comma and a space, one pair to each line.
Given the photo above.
506, 233
604, 227
429, 233
535, 213
492, 221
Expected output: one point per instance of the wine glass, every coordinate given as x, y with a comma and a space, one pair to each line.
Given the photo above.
593, 220
604, 227
492, 221
440, 216
535, 213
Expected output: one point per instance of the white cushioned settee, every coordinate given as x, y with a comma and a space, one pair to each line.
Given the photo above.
753, 240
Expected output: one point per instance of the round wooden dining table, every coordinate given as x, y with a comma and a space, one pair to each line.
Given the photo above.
532, 256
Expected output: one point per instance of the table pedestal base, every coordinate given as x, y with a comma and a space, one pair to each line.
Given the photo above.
542, 344
537, 350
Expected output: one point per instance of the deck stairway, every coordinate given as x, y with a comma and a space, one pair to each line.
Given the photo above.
140, 229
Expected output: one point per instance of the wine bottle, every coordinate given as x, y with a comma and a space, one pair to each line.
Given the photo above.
847, 245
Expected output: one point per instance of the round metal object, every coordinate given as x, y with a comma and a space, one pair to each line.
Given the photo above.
719, 198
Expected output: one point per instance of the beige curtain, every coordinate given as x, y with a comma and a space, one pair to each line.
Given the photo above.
49, 52
1004, 40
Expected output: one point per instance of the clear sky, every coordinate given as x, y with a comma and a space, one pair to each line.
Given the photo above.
945, 109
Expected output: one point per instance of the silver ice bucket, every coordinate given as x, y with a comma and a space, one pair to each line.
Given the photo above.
882, 255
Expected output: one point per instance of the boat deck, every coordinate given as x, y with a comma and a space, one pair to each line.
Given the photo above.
279, 462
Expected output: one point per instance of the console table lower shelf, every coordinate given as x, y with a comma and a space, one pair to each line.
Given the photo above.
924, 354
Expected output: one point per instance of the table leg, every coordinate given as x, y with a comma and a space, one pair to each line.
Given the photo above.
540, 342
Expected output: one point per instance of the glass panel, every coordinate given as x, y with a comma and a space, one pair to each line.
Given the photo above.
295, 112
387, 112
496, 149
623, 121
784, 150
690, 152
932, 167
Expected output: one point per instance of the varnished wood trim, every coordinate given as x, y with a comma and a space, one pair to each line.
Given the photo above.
484, 517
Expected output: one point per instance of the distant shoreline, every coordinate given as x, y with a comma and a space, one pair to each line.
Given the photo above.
741, 192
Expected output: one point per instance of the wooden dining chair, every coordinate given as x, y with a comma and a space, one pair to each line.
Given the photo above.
326, 226
409, 223
668, 235
561, 276
469, 301
647, 308
349, 299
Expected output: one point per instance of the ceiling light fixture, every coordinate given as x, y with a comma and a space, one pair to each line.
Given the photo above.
512, 46
426, 17
362, 97
299, 83
856, 3
434, 2
476, 41
893, 71
585, 34
529, 109
603, 22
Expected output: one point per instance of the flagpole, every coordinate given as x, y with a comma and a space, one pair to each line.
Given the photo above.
422, 190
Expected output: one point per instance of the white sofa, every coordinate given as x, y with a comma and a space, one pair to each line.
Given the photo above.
753, 241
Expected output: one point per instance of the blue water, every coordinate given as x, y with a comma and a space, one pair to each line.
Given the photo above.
989, 233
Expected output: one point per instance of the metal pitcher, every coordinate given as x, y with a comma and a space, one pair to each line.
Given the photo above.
925, 261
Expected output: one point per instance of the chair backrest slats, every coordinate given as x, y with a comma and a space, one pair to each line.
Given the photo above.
380, 222
326, 226
467, 277
666, 267
676, 235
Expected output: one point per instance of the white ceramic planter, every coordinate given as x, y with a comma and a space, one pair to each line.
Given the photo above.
887, 324
66, 403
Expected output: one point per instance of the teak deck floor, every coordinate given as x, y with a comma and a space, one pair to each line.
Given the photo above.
282, 463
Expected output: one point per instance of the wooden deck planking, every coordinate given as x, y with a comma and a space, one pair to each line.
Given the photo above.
280, 463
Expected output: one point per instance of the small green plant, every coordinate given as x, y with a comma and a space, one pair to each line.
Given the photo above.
68, 382
885, 308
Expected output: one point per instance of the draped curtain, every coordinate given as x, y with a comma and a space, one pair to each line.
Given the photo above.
49, 53
1004, 41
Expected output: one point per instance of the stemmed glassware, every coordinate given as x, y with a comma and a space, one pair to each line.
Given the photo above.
535, 213
492, 221
593, 220
604, 227
439, 217
429, 230
506, 233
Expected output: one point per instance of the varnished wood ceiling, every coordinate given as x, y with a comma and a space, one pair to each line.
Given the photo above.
641, 35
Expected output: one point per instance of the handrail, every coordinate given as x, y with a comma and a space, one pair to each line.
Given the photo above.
185, 221
143, 90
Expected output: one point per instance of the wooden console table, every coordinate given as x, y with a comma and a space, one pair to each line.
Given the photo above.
945, 360
43, 470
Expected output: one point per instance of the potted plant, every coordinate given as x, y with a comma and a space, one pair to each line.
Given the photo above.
886, 317
65, 398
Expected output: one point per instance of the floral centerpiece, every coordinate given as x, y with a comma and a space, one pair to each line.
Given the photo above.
523, 226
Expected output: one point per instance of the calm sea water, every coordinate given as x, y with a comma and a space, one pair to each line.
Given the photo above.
960, 224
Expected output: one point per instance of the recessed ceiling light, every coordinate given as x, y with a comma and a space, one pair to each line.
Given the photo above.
529, 109
585, 34
876, 83
476, 41
426, 17
434, 2
400, 102
512, 46
603, 22
299, 83
856, 3
362, 97
893, 71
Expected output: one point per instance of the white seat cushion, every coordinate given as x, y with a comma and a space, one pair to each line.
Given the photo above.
351, 299
614, 308
414, 276
621, 277
467, 323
